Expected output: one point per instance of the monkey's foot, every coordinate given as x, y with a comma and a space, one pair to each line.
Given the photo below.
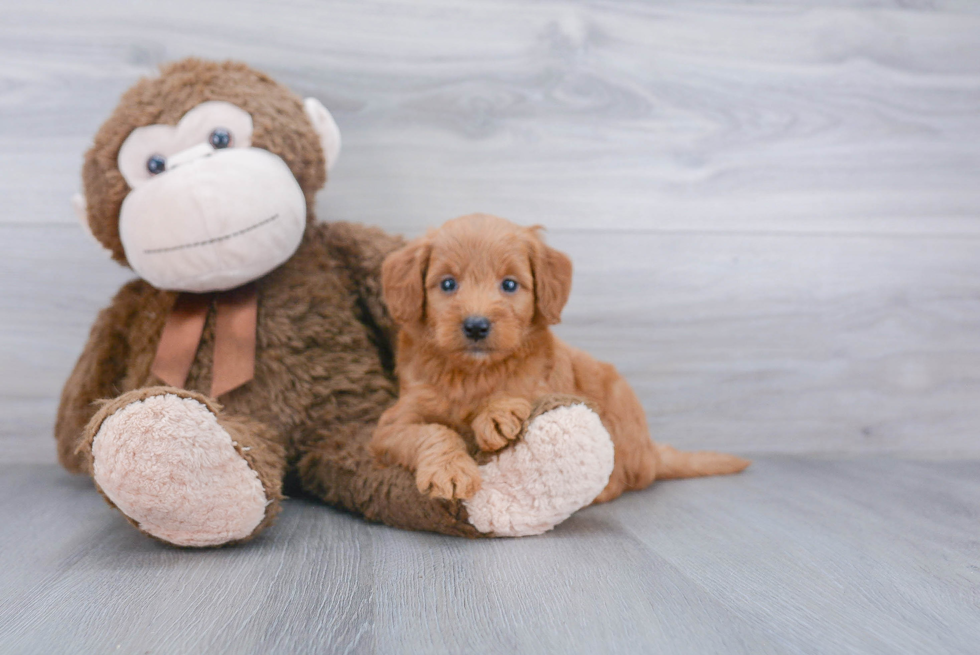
165, 461
559, 465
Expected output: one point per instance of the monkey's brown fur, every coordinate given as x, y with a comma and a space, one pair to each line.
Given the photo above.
323, 353
460, 396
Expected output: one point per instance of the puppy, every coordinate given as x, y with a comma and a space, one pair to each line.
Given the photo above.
473, 300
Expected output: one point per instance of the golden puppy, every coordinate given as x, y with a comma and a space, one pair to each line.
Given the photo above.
474, 300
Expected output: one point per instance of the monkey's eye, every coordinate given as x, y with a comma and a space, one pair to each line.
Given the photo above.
220, 138
156, 164
448, 284
509, 285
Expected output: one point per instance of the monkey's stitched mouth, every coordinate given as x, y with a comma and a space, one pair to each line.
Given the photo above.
238, 233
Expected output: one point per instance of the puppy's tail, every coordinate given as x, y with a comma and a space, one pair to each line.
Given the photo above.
681, 464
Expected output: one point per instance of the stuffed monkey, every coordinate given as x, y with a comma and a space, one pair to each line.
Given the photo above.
255, 347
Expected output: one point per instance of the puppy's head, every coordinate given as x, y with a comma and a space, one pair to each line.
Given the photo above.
477, 287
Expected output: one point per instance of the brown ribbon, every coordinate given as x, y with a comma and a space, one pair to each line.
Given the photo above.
236, 313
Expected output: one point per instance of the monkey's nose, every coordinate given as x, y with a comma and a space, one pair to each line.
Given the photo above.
476, 328
189, 155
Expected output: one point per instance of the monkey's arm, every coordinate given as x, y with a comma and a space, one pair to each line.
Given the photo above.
97, 375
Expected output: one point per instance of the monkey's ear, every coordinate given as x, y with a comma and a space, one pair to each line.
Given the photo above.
403, 281
80, 206
326, 127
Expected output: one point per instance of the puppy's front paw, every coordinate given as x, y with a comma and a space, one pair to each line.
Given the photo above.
500, 423
458, 478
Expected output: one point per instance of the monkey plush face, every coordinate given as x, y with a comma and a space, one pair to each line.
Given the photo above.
216, 196
207, 211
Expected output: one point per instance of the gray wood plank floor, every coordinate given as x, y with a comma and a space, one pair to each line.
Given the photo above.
869, 555
774, 212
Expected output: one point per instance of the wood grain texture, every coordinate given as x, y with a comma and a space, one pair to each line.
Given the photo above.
772, 207
774, 213
789, 343
870, 555
624, 115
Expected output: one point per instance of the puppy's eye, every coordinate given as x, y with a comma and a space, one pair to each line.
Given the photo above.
448, 285
509, 285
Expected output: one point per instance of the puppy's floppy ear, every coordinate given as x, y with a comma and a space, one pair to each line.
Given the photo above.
403, 281
552, 277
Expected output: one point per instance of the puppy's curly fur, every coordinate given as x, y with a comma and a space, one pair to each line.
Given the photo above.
466, 391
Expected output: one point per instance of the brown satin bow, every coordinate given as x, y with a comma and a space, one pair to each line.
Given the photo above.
233, 364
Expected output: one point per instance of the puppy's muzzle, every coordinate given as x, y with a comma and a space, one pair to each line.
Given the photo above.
476, 328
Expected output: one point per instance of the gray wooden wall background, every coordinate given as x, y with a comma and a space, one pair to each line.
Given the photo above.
773, 207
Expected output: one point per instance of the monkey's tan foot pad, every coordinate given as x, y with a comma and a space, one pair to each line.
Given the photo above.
562, 463
169, 466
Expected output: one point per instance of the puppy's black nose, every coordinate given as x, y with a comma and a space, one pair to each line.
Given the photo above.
476, 328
